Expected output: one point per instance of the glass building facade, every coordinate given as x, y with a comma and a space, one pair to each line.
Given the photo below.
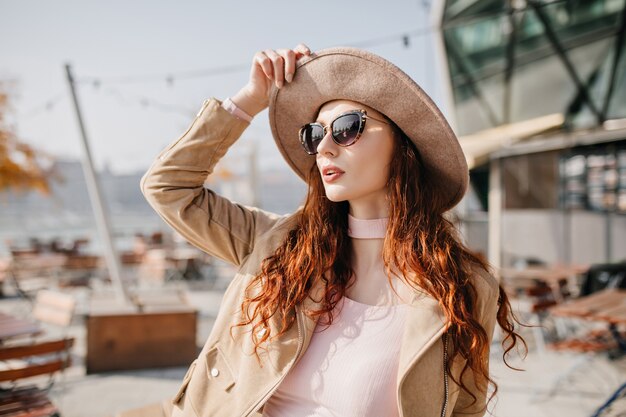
518, 60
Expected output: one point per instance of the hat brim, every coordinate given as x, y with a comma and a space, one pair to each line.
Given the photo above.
361, 76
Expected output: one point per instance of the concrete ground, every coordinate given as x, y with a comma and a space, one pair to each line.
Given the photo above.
540, 390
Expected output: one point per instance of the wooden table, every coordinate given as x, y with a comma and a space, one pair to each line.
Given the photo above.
608, 306
552, 276
155, 338
37, 268
14, 327
30, 272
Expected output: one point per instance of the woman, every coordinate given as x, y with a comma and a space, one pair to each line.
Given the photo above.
361, 303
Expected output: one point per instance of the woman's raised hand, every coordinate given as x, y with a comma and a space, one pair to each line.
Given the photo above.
268, 66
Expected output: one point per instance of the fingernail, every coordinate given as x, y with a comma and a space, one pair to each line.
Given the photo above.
279, 84
289, 77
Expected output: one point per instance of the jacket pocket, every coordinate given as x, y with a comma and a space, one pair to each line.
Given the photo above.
218, 371
210, 386
183, 387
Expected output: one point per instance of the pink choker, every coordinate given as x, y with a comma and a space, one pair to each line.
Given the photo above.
367, 228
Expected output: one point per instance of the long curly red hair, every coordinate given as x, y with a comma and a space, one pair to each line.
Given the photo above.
420, 243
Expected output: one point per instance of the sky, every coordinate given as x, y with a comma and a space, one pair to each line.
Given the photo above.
141, 42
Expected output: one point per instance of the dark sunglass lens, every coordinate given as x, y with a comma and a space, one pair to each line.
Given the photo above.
346, 129
312, 135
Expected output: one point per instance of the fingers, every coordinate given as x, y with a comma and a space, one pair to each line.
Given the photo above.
280, 65
277, 63
290, 63
301, 49
263, 61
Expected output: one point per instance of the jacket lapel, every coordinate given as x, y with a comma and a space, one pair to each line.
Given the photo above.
424, 325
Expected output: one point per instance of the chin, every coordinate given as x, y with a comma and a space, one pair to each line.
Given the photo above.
335, 199
336, 196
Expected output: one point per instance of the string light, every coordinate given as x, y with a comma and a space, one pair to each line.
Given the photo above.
149, 102
48, 105
170, 78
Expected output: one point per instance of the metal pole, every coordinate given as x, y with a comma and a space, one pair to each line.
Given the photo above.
441, 60
100, 212
495, 213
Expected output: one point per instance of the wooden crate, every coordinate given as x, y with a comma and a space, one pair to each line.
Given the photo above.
136, 340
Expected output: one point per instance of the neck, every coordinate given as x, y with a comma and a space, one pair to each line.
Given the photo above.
367, 228
367, 242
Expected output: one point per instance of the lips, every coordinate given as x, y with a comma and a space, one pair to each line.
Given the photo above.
331, 173
331, 169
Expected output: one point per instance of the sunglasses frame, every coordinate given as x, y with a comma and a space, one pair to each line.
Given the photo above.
363, 117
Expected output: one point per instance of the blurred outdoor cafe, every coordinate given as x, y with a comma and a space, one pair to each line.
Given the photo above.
55, 285
535, 92
152, 259
577, 308
580, 308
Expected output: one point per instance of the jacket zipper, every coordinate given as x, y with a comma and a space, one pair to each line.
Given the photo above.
444, 406
445, 375
271, 391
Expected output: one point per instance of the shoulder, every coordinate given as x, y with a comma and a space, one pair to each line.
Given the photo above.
272, 237
487, 292
484, 281
284, 225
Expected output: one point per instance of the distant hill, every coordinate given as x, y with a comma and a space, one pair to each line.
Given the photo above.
68, 212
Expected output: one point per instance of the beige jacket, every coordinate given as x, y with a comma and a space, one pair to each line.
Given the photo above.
225, 379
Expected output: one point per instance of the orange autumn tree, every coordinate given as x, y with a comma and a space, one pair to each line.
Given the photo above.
22, 168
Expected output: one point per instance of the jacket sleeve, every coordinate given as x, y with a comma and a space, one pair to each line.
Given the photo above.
487, 308
174, 187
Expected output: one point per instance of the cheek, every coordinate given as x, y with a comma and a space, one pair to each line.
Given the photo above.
380, 159
374, 169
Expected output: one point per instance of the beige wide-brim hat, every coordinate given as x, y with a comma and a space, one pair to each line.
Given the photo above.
358, 75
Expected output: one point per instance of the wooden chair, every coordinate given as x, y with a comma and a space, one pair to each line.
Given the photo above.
28, 361
36, 358
45, 358
27, 402
54, 308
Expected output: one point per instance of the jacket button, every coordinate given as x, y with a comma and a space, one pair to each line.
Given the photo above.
215, 371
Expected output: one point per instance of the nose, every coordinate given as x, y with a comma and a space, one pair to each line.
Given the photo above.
327, 146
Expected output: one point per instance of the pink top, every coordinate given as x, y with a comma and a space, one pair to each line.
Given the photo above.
346, 371
367, 229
